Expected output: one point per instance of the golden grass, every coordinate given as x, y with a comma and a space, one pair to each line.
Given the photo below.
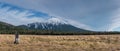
61, 43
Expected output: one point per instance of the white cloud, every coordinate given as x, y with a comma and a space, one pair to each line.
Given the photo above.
79, 25
64, 8
16, 18
115, 20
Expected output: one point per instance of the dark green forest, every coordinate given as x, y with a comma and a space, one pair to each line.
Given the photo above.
50, 32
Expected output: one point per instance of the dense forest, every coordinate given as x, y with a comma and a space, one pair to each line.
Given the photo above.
50, 32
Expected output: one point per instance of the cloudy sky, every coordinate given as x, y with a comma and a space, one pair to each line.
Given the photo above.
99, 15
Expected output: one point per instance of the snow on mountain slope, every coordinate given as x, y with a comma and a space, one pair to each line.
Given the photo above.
56, 21
49, 23
52, 26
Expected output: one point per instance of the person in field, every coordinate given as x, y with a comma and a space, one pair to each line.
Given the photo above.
16, 38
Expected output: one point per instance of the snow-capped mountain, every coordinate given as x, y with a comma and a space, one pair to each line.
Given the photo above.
59, 27
53, 23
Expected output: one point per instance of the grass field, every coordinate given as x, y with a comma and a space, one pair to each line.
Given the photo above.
61, 43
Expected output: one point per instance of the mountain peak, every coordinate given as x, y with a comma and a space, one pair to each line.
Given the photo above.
56, 21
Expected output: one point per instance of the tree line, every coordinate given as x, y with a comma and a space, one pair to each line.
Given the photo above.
51, 32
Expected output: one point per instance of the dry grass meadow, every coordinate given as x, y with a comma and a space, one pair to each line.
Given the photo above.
61, 43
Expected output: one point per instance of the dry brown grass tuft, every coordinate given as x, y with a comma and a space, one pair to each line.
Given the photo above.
61, 43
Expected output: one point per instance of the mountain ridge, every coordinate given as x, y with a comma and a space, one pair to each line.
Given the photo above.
42, 26
53, 27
